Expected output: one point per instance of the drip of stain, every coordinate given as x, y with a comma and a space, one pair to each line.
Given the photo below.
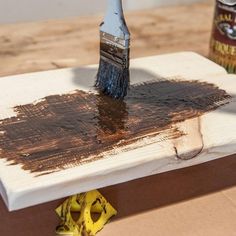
63, 131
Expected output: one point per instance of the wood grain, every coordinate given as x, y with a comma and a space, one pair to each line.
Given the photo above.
38, 46
144, 157
64, 131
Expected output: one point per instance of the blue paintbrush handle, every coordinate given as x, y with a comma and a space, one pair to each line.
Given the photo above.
114, 22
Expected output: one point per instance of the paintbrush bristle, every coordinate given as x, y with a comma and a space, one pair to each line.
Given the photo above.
112, 80
113, 75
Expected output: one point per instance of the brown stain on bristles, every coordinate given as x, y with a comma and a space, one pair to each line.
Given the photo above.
62, 131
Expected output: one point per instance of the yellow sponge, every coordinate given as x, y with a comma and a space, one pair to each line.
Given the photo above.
86, 204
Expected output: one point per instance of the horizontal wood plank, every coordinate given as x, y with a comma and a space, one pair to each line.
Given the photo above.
200, 138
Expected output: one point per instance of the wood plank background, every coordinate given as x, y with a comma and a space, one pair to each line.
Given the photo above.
37, 46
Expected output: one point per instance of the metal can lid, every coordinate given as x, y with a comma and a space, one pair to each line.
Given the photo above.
228, 2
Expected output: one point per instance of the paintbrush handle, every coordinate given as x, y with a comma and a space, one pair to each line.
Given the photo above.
114, 22
115, 7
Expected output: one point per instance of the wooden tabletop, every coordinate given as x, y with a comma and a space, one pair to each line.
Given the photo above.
28, 47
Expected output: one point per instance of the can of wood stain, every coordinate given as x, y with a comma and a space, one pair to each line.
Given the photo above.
223, 40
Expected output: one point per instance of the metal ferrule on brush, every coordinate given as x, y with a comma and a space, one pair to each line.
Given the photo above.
114, 50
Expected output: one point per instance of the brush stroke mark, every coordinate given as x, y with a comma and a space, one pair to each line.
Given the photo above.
62, 131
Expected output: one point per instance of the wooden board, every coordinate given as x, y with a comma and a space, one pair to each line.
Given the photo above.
204, 136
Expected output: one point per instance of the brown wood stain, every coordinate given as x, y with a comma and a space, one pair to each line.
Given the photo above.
63, 131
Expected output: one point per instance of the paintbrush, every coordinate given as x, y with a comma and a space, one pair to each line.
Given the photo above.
113, 73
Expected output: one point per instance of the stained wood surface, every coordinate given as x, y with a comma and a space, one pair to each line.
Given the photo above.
28, 47
157, 153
